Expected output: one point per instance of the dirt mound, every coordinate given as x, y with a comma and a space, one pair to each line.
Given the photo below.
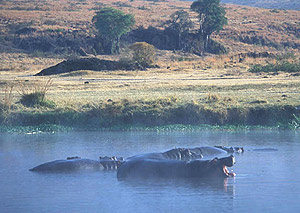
94, 64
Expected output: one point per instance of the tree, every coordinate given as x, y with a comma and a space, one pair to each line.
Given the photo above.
211, 17
112, 24
181, 23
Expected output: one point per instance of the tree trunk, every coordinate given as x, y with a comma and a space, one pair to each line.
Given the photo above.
118, 45
206, 42
179, 41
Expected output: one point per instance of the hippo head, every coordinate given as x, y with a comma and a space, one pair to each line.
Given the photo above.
214, 168
221, 165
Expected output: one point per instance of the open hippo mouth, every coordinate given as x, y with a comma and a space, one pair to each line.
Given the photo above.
227, 173
227, 162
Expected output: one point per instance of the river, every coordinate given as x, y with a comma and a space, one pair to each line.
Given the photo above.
266, 181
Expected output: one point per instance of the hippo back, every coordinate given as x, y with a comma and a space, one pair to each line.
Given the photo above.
68, 165
208, 151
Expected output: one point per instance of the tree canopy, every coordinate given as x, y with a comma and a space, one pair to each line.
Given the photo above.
211, 16
181, 23
112, 24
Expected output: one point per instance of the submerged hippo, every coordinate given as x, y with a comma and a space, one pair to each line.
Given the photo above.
154, 168
215, 150
78, 164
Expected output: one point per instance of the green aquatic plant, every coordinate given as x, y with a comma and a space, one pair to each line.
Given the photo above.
44, 128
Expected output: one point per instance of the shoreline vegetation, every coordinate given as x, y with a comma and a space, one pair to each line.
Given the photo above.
157, 115
50, 129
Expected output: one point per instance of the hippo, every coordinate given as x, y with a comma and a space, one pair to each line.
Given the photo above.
163, 168
209, 151
231, 150
173, 154
77, 164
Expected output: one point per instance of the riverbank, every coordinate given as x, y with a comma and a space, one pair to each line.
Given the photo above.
159, 115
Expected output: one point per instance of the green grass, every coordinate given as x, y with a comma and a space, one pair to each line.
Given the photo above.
156, 114
51, 128
283, 66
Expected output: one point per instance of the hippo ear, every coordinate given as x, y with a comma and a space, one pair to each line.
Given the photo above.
215, 160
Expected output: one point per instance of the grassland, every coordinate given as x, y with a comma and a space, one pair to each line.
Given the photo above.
186, 89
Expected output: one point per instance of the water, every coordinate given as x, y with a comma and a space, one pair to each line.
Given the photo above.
265, 181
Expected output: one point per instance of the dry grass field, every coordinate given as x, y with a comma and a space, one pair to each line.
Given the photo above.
212, 81
185, 81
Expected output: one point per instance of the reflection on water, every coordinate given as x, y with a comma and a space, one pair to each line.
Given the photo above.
266, 179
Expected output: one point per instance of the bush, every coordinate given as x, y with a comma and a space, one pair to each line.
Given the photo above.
34, 95
36, 99
143, 54
215, 47
283, 66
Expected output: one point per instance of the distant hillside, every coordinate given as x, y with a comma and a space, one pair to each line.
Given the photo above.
278, 4
63, 27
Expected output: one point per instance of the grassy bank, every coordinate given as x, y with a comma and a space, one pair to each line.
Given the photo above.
159, 114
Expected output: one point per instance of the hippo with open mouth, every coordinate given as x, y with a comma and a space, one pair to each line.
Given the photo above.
154, 168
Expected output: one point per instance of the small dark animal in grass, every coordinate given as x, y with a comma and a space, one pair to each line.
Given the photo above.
154, 168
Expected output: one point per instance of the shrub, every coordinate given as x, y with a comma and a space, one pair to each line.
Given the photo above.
36, 99
143, 54
210, 98
215, 47
127, 64
284, 66
35, 95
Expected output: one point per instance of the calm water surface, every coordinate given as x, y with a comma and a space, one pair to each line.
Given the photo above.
265, 181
